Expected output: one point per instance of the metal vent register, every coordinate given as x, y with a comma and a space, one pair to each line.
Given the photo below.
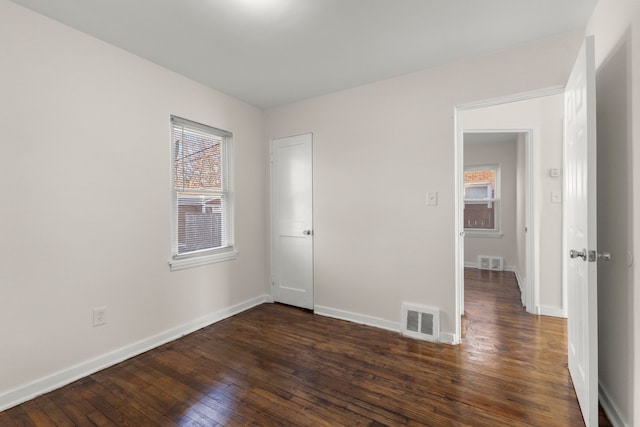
421, 322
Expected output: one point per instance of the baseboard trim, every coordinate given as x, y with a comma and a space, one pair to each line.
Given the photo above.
519, 279
610, 408
546, 310
357, 318
66, 376
445, 337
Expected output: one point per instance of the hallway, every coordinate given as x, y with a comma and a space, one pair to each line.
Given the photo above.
496, 324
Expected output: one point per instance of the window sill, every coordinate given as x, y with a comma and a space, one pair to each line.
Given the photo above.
474, 234
181, 264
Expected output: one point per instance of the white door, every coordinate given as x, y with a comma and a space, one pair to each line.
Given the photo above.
292, 221
580, 228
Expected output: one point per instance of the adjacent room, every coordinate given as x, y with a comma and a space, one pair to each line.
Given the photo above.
253, 212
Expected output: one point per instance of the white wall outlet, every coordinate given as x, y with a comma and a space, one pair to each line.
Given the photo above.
554, 172
99, 316
432, 198
556, 197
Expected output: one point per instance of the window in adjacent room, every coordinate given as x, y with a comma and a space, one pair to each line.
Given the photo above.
482, 198
202, 198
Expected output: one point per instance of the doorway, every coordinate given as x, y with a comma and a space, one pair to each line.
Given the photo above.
495, 189
537, 116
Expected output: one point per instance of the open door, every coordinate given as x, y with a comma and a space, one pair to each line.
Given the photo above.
580, 256
291, 220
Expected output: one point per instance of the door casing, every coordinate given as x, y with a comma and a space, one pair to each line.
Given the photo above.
532, 210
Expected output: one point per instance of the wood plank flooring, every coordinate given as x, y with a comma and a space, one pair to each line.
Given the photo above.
278, 365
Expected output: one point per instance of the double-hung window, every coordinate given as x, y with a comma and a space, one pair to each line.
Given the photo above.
202, 198
482, 199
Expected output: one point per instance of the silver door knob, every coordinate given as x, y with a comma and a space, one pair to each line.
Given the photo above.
575, 254
605, 256
307, 232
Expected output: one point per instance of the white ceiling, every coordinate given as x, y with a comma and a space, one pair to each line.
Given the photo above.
272, 52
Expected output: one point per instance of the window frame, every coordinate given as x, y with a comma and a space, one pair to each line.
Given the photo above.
212, 255
496, 200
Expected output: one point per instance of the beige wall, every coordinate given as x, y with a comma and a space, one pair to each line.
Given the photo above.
86, 203
543, 116
503, 154
89, 127
616, 26
378, 149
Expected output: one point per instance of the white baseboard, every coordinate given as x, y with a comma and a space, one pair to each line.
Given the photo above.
66, 376
519, 278
445, 337
610, 408
519, 281
505, 268
546, 310
358, 318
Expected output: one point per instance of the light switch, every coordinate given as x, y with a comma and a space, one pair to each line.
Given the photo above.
432, 198
554, 172
556, 197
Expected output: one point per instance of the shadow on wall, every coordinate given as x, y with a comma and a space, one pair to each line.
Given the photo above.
615, 298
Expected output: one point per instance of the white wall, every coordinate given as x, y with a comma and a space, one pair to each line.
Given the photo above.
543, 116
616, 26
378, 149
504, 154
86, 203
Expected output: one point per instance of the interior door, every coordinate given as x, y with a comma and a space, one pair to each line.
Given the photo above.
580, 228
292, 220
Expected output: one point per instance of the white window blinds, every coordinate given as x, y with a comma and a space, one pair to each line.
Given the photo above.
201, 189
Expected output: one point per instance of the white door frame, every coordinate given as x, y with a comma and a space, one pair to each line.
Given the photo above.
532, 201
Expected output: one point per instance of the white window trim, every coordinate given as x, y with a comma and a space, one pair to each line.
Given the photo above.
496, 233
207, 256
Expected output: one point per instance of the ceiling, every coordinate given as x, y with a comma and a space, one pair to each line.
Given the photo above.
273, 52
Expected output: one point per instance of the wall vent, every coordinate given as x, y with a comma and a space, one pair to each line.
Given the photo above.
490, 262
421, 322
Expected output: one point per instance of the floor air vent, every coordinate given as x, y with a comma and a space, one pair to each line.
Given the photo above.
420, 322
490, 262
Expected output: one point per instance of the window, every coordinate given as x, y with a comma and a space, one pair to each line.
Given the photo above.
482, 198
202, 194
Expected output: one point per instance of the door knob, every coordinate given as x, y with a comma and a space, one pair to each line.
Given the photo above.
307, 232
605, 256
575, 254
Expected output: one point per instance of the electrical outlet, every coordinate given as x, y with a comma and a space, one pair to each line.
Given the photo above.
99, 316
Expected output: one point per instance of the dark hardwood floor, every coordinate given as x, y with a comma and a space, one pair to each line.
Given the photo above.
278, 365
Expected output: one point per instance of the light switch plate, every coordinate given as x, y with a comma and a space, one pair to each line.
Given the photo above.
432, 198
